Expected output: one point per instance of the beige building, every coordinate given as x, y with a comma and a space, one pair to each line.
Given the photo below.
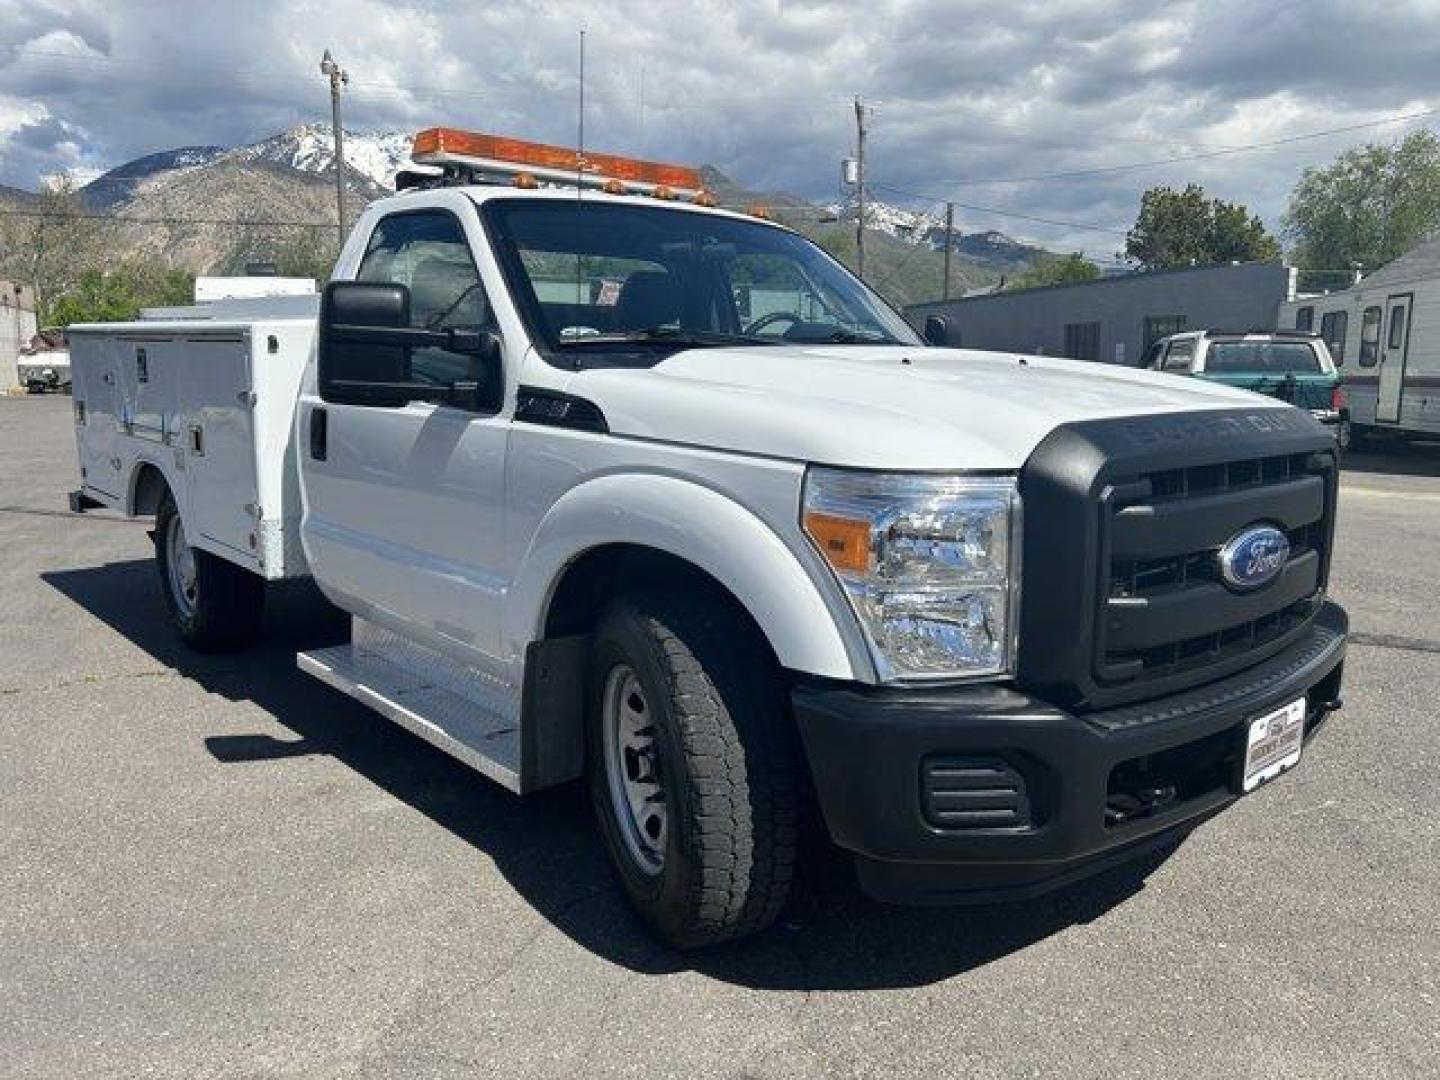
17, 327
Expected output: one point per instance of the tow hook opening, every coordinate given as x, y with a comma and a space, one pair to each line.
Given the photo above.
1145, 786
1143, 801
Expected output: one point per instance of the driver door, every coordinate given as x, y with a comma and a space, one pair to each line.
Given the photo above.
404, 505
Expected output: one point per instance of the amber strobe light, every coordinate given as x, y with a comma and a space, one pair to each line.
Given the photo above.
493, 153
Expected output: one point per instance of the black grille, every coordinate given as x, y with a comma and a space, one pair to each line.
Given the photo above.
1164, 609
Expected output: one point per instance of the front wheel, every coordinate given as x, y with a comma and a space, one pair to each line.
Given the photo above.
692, 768
216, 606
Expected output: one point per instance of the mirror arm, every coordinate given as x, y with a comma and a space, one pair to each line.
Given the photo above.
484, 343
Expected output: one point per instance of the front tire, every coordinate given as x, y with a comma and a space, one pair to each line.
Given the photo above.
215, 605
693, 767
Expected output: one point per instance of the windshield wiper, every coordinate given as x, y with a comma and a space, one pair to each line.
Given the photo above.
841, 336
677, 335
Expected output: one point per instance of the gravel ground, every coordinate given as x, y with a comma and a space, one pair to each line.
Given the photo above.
220, 867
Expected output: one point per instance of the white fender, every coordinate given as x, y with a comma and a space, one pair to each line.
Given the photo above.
701, 526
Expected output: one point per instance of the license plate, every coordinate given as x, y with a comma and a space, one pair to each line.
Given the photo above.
1273, 744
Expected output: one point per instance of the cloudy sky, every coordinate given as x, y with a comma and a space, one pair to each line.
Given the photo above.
982, 103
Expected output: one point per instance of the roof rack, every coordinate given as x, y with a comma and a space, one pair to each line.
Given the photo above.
1280, 330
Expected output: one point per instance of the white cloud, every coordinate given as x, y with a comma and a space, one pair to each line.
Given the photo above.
965, 91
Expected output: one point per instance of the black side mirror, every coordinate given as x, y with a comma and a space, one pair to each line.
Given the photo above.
362, 358
365, 348
937, 330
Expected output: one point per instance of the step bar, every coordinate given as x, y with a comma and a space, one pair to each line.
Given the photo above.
456, 708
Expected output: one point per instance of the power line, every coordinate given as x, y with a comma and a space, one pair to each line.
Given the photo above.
1246, 148
126, 219
1083, 226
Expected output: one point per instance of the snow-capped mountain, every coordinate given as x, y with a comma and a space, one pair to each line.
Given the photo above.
111, 188
310, 148
917, 227
371, 160
213, 209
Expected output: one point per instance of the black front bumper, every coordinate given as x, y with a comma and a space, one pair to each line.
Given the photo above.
1096, 788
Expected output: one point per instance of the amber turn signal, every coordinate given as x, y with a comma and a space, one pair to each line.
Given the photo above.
844, 542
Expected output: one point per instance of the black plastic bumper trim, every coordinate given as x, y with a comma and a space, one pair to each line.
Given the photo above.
866, 746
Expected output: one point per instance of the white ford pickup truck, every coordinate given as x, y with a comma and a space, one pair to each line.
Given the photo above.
622, 487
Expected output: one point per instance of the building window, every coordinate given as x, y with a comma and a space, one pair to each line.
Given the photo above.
1158, 326
1305, 318
1333, 326
1370, 337
1082, 340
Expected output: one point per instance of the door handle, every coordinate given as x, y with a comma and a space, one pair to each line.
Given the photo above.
319, 433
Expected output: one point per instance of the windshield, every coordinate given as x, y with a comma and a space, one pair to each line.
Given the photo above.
599, 282
1262, 358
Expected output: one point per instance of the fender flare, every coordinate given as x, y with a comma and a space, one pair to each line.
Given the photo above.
735, 547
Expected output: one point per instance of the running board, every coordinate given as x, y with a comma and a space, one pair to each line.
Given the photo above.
456, 708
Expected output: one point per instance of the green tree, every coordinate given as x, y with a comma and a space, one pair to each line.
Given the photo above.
1370, 206
295, 252
1186, 228
54, 244
1058, 270
118, 294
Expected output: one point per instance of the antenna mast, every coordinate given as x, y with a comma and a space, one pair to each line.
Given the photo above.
580, 170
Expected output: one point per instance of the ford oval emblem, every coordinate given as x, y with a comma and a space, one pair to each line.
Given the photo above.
1253, 557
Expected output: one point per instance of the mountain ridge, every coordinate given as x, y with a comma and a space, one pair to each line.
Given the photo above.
211, 209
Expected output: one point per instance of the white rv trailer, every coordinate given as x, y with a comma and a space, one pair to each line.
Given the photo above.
1384, 334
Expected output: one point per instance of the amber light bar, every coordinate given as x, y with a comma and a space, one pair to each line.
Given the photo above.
496, 154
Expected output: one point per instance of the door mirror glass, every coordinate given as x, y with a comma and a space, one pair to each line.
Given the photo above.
937, 330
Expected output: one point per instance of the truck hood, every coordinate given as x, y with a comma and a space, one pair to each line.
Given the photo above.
882, 407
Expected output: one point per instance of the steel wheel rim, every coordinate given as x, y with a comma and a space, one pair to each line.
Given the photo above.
180, 564
632, 769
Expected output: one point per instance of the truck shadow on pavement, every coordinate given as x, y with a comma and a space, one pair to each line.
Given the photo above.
1395, 458
831, 938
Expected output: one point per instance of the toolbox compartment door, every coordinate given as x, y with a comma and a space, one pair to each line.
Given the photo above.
217, 437
93, 375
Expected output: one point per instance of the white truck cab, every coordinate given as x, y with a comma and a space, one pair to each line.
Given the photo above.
620, 486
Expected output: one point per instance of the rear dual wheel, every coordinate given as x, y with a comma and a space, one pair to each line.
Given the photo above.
693, 767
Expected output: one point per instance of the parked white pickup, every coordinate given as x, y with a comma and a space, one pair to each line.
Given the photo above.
661, 495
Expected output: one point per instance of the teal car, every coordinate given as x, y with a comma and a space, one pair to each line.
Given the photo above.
1291, 365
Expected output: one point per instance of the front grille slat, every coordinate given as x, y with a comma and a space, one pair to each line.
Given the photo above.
1163, 607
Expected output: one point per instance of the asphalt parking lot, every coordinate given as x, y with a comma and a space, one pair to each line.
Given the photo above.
216, 866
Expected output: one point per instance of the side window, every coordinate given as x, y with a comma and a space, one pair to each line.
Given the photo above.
1179, 356
1151, 358
1397, 326
1333, 327
426, 251
1305, 318
1370, 337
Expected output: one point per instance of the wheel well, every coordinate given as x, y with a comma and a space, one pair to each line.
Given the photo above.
147, 490
600, 575
553, 701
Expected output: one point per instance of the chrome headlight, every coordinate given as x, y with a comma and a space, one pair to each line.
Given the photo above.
929, 562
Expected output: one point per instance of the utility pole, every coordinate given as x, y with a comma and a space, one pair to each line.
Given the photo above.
949, 239
339, 77
860, 189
